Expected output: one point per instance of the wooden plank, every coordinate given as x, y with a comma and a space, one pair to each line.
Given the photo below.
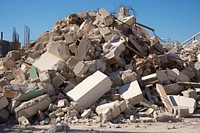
163, 95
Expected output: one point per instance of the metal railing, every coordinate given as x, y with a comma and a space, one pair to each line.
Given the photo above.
191, 39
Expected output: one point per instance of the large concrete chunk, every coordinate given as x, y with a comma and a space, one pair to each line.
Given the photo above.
183, 101
46, 61
92, 88
111, 110
30, 108
59, 50
3, 102
131, 92
82, 49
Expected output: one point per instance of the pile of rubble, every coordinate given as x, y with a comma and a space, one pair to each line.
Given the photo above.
93, 68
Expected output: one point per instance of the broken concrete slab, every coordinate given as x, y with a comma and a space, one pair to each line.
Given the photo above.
49, 59
59, 50
131, 92
30, 108
92, 88
183, 101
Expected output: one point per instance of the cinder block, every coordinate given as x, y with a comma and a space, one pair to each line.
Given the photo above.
92, 88
57, 79
131, 92
3, 102
183, 101
30, 108
44, 76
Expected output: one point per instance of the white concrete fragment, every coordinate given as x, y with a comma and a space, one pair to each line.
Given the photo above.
59, 50
80, 68
92, 88
131, 92
46, 61
183, 101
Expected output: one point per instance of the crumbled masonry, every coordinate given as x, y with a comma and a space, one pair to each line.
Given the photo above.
94, 67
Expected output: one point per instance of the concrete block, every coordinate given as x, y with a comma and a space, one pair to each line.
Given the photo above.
8, 63
160, 89
72, 61
92, 88
69, 38
44, 76
128, 77
172, 89
4, 114
190, 93
3, 102
59, 50
62, 103
73, 48
3, 83
111, 110
49, 59
181, 111
30, 108
80, 69
61, 66
86, 113
131, 92
57, 79
106, 33
83, 48
23, 121
106, 17
183, 101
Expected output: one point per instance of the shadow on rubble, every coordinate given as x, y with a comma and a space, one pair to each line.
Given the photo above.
196, 114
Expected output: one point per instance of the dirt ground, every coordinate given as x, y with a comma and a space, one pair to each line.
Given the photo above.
188, 125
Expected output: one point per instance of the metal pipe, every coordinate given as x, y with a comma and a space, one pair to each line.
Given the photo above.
191, 38
1, 35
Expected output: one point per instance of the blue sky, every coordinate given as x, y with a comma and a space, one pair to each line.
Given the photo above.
175, 19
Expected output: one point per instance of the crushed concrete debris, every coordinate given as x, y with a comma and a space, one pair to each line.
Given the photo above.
93, 67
